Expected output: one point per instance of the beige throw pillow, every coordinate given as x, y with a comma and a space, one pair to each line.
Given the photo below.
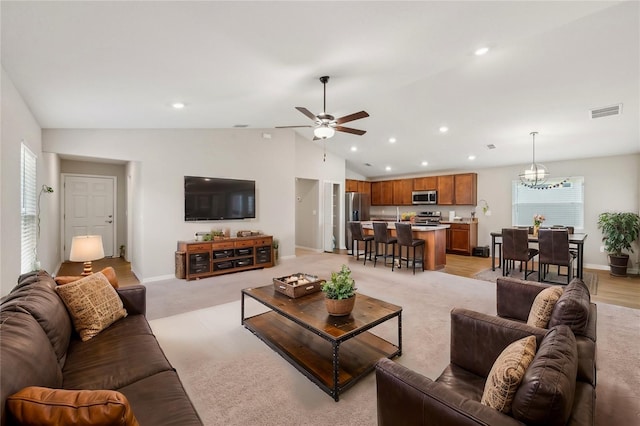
507, 373
543, 305
92, 303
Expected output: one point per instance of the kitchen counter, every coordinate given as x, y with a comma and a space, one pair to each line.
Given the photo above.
435, 237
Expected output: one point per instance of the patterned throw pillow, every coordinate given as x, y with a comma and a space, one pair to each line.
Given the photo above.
92, 303
43, 406
543, 305
507, 373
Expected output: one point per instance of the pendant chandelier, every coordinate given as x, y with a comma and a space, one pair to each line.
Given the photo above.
536, 174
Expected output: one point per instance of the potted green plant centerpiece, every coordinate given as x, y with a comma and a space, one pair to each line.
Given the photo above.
619, 231
340, 292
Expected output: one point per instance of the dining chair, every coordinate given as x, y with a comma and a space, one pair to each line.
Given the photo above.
381, 236
515, 247
405, 239
554, 250
357, 235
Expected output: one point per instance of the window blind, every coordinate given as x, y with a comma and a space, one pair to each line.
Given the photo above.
560, 206
28, 210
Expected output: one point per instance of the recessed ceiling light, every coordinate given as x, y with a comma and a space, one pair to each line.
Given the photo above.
444, 129
392, 140
388, 168
177, 105
354, 148
481, 51
424, 163
471, 157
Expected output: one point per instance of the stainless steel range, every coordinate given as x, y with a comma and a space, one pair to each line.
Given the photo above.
428, 218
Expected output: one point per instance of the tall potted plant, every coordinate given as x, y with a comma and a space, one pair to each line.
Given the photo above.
340, 292
619, 231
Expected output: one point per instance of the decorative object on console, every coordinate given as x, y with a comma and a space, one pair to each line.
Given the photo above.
619, 231
536, 174
86, 248
340, 292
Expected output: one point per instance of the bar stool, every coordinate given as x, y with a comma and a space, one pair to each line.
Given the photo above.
515, 247
381, 236
554, 250
357, 235
405, 239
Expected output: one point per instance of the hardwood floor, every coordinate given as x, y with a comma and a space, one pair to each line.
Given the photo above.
622, 291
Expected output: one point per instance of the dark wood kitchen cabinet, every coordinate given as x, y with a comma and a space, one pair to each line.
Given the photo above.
445, 190
402, 189
427, 183
353, 185
465, 191
350, 185
382, 193
364, 187
462, 238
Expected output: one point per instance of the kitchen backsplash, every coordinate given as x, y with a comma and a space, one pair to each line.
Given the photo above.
390, 212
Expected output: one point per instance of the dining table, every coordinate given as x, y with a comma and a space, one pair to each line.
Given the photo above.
576, 240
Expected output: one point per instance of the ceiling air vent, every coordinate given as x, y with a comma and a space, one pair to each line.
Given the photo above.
606, 111
491, 146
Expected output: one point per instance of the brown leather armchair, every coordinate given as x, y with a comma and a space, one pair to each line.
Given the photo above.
549, 393
514, 298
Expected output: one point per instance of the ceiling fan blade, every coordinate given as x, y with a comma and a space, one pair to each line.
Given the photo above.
307, 113
352, 117
350, 130
291, 127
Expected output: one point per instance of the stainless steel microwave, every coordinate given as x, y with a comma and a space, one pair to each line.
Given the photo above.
424, 197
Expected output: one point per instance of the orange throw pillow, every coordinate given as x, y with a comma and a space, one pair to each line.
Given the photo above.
43, 406
108, 272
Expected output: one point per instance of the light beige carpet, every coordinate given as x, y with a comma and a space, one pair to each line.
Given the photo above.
233, 378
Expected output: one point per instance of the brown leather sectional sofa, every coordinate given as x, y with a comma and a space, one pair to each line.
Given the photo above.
558, 387
39, 347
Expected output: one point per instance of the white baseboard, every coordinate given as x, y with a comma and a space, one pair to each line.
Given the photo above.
158, 278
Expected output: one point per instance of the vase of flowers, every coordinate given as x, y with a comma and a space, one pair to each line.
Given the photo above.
537, 221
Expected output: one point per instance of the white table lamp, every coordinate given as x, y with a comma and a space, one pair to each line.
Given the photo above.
85, 248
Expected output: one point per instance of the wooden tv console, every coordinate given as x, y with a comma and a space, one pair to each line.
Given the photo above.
209, 258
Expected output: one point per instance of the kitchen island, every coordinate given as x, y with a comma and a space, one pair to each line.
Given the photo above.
435, 238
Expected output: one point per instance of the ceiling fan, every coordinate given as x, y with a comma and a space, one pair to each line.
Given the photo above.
325, 125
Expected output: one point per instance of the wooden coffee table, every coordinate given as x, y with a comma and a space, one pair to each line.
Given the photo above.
333, 352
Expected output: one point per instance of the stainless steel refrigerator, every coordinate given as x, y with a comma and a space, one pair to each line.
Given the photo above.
357, 206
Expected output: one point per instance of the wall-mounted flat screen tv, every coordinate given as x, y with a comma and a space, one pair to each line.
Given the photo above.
207, 198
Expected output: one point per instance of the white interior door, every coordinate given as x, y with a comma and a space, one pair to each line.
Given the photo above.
89, 210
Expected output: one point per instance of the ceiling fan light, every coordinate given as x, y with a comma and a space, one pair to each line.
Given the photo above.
324, 132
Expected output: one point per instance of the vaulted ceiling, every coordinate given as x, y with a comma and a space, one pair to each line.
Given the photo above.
410, 65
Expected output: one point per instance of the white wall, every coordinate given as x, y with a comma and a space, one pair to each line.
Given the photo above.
163, 157
19, 125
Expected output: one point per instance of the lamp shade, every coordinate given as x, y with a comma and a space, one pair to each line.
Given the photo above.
85, 248
324, 132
